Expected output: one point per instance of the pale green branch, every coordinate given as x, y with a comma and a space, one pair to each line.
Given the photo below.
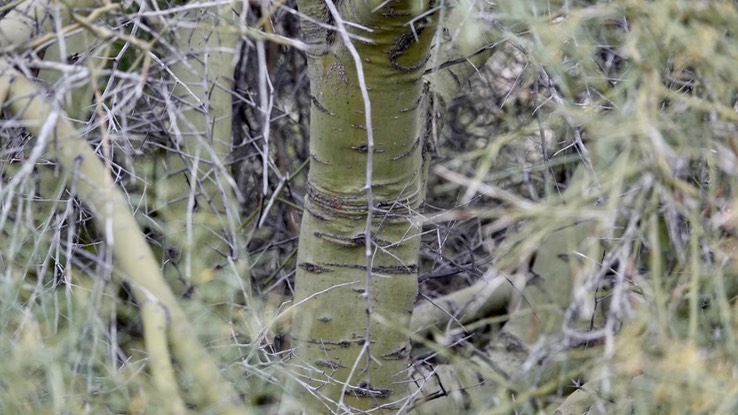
473, 41
134, 257
23, 21
485, 297
156, 318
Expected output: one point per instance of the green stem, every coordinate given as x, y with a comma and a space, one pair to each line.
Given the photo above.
98, 190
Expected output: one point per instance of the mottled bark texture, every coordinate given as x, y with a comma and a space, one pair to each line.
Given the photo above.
334, 301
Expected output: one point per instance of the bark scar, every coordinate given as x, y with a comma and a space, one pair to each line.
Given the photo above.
320, 106
381, 269
331, 364
399, 354
402, 44
410, 151
366, 390
310, 267
364, 148
347, 241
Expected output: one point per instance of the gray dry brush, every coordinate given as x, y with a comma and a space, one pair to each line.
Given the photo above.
518, 207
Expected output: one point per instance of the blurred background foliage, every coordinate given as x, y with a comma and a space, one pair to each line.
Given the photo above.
640, 97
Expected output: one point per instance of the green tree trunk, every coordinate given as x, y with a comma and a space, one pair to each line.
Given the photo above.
354, 298
194, 194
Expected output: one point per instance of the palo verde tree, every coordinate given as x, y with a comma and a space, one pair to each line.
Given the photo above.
357, 261
371, 139
151, 186
62, 124
187, 199
371, 117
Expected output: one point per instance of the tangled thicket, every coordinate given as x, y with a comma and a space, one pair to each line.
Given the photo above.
611, 126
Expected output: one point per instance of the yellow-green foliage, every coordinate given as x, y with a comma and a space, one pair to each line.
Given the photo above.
637, 104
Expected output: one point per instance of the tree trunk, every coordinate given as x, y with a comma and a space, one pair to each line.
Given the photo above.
354, 298
195, 195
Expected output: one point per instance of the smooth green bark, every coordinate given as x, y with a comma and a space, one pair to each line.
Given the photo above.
195, 194
336, 294
30, 18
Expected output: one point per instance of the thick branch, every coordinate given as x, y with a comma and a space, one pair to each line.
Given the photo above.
31, 18
98, 190
485, 297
